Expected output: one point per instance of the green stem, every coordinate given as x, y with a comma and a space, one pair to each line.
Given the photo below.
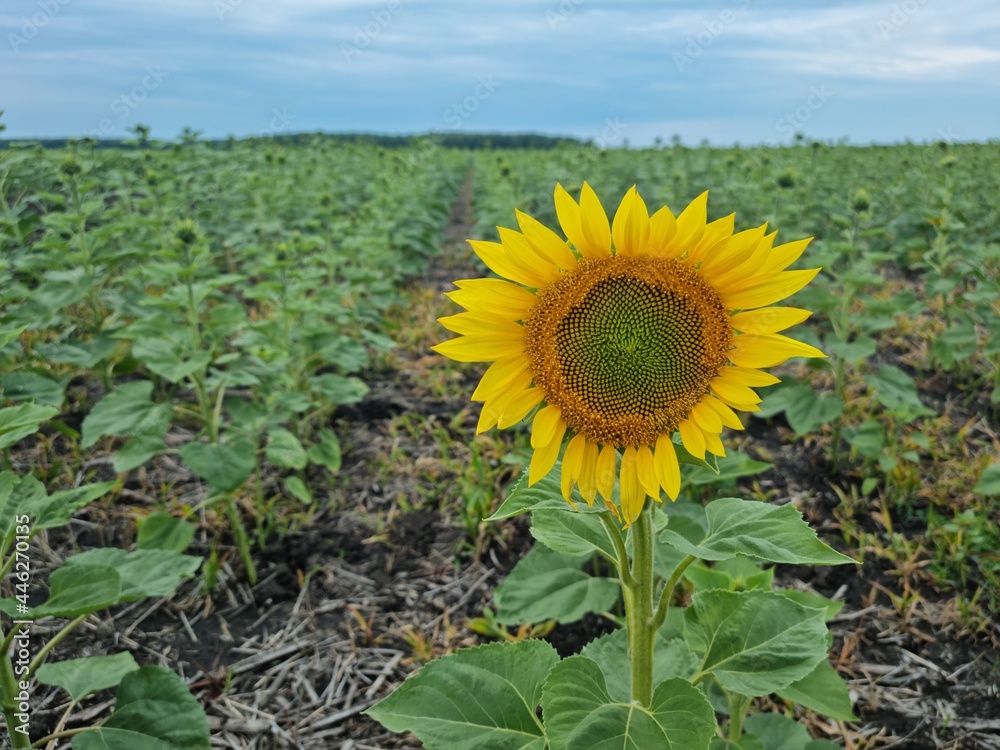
59, 735
639, 607
615, 535
668, 590
53, 642
738, 705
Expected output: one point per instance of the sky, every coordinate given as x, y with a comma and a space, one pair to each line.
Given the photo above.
617, 73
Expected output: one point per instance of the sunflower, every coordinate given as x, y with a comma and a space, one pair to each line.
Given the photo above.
625, 335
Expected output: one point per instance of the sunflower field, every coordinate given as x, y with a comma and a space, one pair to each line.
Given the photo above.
247, 472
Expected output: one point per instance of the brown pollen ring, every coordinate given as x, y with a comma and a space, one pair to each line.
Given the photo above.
626, 346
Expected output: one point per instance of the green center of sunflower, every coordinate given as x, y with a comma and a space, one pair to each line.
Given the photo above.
627, 346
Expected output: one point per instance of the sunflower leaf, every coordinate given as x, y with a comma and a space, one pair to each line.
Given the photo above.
773, 533
580, 712
505, 680
543, 495
754, 642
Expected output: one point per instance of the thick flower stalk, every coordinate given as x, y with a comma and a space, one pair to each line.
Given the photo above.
625, 334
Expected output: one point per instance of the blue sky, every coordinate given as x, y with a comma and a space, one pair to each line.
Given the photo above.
725, 70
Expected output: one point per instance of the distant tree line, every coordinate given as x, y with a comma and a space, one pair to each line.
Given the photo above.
449, 140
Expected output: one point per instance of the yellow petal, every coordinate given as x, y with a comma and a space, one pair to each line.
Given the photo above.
631, 496
587, 481
480, 323
668, 471
568, 213
594, 222
727, 415
519, 406
548, 244
766, 289
731, 252
544, 458
504, 263
662, 228
713, 444
783, 256
572, 464
645, 471
768, 319
498, 377
706, 418
604, 473
690, 225
544, 425
769, 350
692, 437
481, 348
494, 407
747, 376
495, 296
524, 255
733, 394
715, 234
631, 225
750, 266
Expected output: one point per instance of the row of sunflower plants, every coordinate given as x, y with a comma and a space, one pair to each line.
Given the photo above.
224, 300
153, 706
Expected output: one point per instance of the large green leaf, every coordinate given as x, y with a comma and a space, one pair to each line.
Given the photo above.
806, 410
58, 508
775, 533
81, 677
476, 698
144, 572
671, 658
24, 385
754, 642
897, 392
169, 359
989, 481
17, 422
545, 494
154, 710
80, 589
545, 585
733, 466
579, 713
777, 732
325, 450
284, 449
225, 466
822, 690
160, 530
571, 533
127, 410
